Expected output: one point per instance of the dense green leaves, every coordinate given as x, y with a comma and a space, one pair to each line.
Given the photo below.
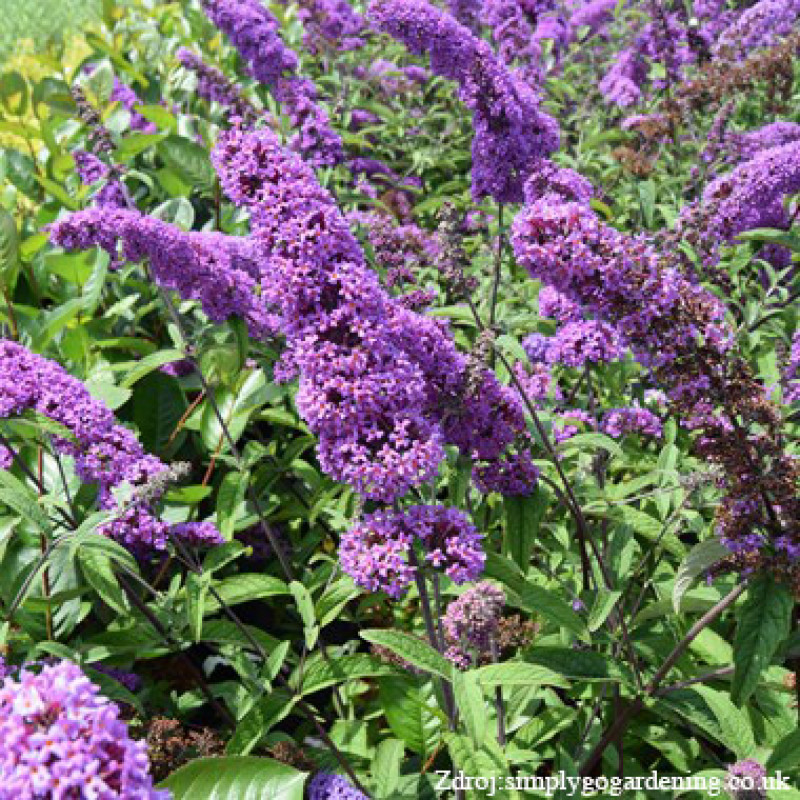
603, 564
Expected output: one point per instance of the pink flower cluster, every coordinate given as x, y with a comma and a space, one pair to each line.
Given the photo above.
376, 551
61, 740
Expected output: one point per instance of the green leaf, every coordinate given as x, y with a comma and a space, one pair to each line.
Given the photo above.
158, 404
230, 497
471, 705
188, 160
582, 665
9, 251
276, 660
334, 599
21, 171
511, 345
236, 408
519, 673
409, 704
764, 622
547, 603
236, 778
487, 761
697, 561
14, 93
196, 588
17, 496
584, 441
411, 649
244, 587
113, 689
603, 605
305, 605
159, 115
58, 192
111, 51
54, 93
136, 143
149, 363
108, 393
101, 82
259, 720
647, 200
86, 538
176, 210
221, 364
713, 713
786, 754
96, 568
224, 631
506, 572
734, 729
772, 236
35, 425
93, 288
54, 321
523, 515
386, 767
222, 555
323, 673
188, 495
651, 529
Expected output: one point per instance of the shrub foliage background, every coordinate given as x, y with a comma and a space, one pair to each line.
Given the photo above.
368, 464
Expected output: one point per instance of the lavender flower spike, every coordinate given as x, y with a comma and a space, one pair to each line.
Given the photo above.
213, 86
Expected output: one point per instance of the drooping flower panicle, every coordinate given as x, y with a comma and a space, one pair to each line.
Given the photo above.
213, 86
360, 393
105, 453
677, 328
222, 272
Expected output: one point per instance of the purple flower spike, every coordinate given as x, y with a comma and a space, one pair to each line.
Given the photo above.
105, 453
511, 132
255, 33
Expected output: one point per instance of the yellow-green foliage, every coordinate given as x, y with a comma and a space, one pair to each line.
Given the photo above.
29, 24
